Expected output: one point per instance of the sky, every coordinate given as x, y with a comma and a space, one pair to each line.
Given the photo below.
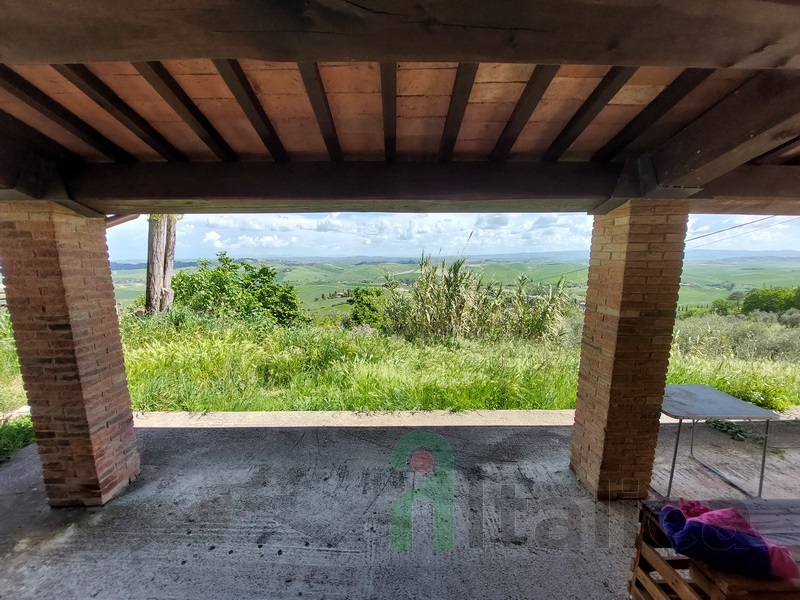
408, 235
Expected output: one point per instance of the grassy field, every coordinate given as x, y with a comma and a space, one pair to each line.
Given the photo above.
186, 361
702, 281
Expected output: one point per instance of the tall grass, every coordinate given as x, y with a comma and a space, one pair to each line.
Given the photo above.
12, 394
14, 435
183, 360
451, 302
200, 366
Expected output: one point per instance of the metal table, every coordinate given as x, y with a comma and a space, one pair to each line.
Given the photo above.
700, 402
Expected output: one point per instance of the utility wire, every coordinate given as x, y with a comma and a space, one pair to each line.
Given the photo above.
729, 228
697, 238
730, 237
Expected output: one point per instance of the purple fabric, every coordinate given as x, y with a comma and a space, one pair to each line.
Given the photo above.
725, 540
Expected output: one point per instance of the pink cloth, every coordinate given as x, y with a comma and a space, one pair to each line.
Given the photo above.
781, 562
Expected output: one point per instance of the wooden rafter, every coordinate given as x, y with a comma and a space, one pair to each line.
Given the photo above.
674, 33
403, 187
28, 93
597, 101
389, 103
322, 110
304, 186
164, 83
531, 96
91, 85
236, 80
462, 88
666, 100
761, 115
779, 155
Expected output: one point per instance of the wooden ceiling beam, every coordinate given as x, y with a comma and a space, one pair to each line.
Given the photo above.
531, 96
763, 114
90, 84
597, 101
29, 166
170, 90
462, 88
322, 110
786, 153
659, 33
389, 102
18, 139
676, 91
364, 186
237, 82
36, 99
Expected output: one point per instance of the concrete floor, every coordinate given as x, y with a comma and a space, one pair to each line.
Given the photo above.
225, 509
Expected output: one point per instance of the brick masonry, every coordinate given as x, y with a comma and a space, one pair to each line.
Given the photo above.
634, 278
61, 299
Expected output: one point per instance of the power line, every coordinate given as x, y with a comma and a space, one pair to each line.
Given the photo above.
730, 237
729, 228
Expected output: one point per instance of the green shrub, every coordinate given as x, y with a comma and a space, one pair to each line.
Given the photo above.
450, 302
774, 300
737, 337
12, 394
721, 306
369, 307
237, 289
15, 434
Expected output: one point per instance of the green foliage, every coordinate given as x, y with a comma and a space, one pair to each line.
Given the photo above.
735, 430
452, 302
12, 394
237, 289
774, 300
369, 307
791, 318
721, 306
15, 434
202, 364
691, 312
736, 297
748, 339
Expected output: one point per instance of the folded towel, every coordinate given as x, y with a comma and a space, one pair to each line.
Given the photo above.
725, 540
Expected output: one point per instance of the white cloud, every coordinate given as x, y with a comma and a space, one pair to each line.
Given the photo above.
214, 238
408, 235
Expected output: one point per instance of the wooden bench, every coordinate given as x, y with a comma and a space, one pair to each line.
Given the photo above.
661, 574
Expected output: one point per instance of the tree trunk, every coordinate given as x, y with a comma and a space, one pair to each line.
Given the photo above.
169, 263
156, 244
160, 258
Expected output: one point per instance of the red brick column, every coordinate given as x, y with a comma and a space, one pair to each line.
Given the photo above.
59, 292
634, 277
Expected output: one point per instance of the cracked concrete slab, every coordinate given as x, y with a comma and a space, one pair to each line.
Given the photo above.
285, 512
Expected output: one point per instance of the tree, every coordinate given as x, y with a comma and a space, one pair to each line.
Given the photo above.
736, 297
721, 306
774, 300
369, 307
238, 289
160, 262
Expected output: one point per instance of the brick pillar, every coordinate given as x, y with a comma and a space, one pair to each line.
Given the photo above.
61, 299
634, 277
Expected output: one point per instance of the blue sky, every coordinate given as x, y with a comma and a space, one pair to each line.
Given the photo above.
408, 235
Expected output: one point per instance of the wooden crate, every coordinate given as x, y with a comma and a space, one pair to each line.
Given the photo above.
658, 573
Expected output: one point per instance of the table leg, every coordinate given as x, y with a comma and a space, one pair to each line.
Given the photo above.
691, 445
763, 458
675, 456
